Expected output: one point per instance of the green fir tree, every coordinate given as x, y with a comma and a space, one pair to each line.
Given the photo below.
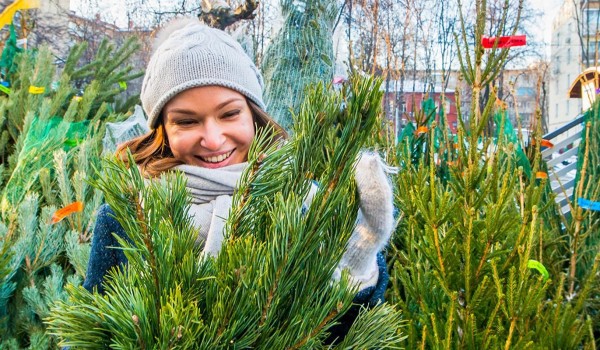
51, 140
475, 262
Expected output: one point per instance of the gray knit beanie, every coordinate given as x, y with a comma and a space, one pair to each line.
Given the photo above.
189, 54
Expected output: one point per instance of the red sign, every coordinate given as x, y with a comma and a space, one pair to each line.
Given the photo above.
504, 41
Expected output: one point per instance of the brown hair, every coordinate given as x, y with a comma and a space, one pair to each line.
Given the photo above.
151, 152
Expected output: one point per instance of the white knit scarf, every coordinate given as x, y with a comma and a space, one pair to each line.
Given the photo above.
211, 191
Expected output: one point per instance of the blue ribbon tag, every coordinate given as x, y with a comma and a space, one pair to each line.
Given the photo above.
588, 204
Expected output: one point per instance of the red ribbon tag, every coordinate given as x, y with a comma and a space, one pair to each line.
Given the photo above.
504, 41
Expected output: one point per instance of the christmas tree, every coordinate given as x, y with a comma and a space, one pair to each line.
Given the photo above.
476, 262
300, 55
51, 140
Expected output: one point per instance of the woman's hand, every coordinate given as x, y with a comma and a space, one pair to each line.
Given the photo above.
375, 221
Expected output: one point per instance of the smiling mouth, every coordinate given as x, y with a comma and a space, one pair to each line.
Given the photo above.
217, 159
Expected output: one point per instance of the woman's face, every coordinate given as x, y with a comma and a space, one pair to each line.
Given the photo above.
209, 126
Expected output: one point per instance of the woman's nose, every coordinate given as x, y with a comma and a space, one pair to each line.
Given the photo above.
213, 137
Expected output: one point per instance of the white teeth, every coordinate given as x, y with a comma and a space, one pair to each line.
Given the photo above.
217, 159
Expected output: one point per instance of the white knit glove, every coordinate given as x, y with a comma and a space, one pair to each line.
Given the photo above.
375, 221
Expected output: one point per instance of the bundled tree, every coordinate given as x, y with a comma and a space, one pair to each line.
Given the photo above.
301, 54
51, 139
477, 265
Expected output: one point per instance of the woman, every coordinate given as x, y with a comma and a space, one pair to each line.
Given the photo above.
203, 98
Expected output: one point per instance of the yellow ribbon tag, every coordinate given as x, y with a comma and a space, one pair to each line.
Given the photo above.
36, 90
77, 98
123, 85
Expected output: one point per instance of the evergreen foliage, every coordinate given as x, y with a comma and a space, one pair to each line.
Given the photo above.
475, 262
51, 139
31, 120
466, 257
583, 227
270, 286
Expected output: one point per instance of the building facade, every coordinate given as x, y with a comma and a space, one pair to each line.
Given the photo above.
401, 110
575, 37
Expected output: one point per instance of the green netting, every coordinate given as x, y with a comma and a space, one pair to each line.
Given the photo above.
300, 55
44, 136
8, 54
418, 142
428, 107
407, 134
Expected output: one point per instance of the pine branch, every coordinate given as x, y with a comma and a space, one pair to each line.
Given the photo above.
145, 233
317, 329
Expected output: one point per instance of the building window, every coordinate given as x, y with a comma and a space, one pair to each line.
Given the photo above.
592, 20
592, 50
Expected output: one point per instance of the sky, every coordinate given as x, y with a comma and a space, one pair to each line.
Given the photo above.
548, 8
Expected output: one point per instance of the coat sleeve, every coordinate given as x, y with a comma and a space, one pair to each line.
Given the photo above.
366, 298
105, 253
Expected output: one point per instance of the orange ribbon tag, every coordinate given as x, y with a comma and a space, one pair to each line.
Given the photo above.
500, 104
421, 130
546, 143
62, 213
541, 175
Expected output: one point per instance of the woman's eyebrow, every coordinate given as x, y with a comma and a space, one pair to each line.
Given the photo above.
226, 102
186, 111
181, 111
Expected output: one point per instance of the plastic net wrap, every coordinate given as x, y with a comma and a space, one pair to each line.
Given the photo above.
44, 137
301, 54
119, 132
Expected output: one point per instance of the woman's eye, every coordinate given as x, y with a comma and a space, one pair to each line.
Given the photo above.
185, 122
231, 113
